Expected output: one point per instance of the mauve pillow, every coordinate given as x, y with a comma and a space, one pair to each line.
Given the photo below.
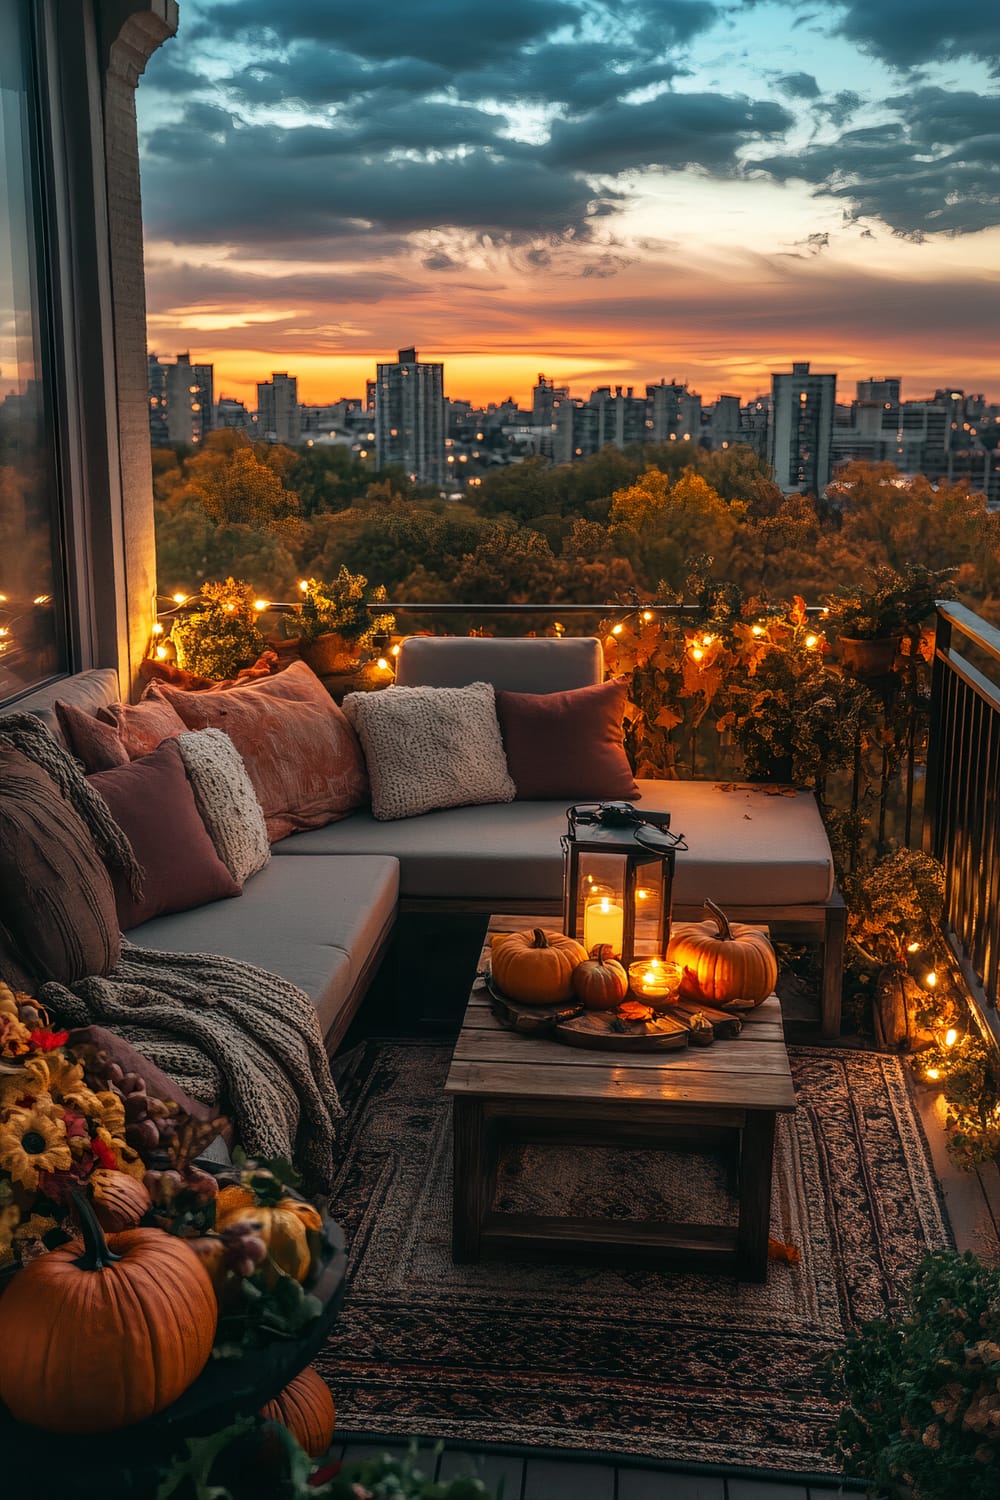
152, 802
95, 744
568, 745
142, 726
55, 894
300, 752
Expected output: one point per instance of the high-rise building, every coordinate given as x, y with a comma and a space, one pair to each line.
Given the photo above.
802, 429
181, 400
885, 390
675, 413
409, 417
278, 417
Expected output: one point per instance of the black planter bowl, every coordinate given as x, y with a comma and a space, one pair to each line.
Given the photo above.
129, 1462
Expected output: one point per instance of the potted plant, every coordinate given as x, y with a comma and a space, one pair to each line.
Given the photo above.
871, 620
921, 1391
335, 625
796, 722
219, 635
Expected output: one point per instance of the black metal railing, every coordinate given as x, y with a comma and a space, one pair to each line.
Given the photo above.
962, 822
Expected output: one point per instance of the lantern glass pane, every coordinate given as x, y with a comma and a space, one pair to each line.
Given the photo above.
650, 938
600, 915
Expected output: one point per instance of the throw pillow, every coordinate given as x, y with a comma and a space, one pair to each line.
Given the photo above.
568, 745
152, 802
226, 800
95, 745
55, 894
300, 752
430, 747
142, 726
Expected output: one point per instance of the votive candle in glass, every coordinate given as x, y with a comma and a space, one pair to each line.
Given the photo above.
654, 978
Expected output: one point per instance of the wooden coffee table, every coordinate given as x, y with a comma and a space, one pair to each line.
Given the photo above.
505, 1087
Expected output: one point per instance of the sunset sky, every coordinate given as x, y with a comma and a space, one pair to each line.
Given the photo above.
609, 191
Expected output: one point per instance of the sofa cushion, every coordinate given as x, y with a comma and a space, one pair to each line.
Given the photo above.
568, 745
152, 801
316, 923
96, 745
226, 800
747, 849
300, 752
86, 690
531, 665
142, 727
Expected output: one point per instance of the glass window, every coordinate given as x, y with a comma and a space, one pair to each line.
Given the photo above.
32, 592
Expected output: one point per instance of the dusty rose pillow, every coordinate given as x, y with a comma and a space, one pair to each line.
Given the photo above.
142, 726
151, 800
95, 744
568, 745
300, 752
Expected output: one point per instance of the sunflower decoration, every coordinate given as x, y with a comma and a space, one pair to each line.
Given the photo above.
33, 1141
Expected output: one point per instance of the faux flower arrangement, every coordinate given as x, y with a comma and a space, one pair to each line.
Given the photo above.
56, 1131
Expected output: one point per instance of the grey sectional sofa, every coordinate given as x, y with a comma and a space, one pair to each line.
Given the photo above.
322, 911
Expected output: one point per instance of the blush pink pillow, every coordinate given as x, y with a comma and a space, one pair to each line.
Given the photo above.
301, 754
142, 726
568, 745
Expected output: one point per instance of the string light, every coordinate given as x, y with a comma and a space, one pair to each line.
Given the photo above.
382, 664
180, 598
931, 979
617, 629
756, 630
303, 586
913, 947
812, 641
260, 605
697, 653
707, 640
157, 628
933, 1074
950, 1037
161, 653
395, 650
647, 614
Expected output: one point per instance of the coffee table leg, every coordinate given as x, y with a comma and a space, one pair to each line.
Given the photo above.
756, 1163
474, 1175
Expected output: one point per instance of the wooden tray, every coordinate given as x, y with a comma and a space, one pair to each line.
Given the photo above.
601, 1030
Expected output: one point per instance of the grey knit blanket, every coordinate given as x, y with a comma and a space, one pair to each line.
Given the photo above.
233, 1035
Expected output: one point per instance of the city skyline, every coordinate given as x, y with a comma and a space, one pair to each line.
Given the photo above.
608, 190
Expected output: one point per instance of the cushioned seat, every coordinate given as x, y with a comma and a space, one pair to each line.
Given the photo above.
745, 848
319, 926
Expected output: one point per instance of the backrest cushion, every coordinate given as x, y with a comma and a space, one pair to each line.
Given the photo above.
226, 801
142, 726
56, 900
96, 745
299, 750
531, 665
568, 744
87, 691
151, 800
429, 748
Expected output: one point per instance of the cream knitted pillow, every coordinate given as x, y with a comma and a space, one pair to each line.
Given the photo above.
226, 800
430, 747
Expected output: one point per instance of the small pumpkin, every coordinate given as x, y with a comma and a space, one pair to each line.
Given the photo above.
100, 1335
282, 1228
120, 1201
306, 1408
600, 981
723, 960
536, 967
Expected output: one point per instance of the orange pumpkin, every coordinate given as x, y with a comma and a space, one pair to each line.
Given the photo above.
119, 1200
723, 960
283, 1228
306, 1408
536, 967
600, 981
99, 1335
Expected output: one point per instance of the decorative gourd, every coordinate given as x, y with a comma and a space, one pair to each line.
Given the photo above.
283, 1229
306, 1408
119, 1200
536, 967
600, 981
101, 1335
723, 960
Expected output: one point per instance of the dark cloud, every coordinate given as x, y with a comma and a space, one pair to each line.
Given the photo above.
905, 33
672, 130
839, 107
934, 170
798, 85
319, 76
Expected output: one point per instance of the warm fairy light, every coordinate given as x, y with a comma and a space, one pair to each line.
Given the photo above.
161, 653
230, 609
697, 653
157, 628
812, 641
3, 598
756, 630
395, 650
642, 894
931, 980
933, 1074
180, 598
617, 629
647, 614
913, 947
261, 604
950, 1037
303, 586
824, 613
382, 664
707, 640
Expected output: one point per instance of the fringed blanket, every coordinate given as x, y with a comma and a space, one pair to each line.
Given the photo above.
231, 1034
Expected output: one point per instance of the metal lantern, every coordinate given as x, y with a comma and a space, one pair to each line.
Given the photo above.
618, 872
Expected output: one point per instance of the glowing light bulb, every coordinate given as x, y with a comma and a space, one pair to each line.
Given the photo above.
812, 641
647, 614
697, 653
260, 605
934, 1074
950, 1037
395, 651
617, 629
913, 947
161, 653
180, 598
382, 664
303, 586
756, 630
707, 640
931, 980
3, 598
157, 628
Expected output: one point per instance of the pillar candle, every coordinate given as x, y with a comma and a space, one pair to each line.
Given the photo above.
603, 922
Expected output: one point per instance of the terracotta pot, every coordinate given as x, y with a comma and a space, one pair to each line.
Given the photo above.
868, 658
329, 654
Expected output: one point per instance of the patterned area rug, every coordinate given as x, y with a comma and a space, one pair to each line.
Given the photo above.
685, 1367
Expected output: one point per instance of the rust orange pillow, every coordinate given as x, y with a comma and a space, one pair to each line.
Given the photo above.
568, 745
300, 752
142, 726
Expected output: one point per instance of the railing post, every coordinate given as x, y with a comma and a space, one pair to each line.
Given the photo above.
935, 727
